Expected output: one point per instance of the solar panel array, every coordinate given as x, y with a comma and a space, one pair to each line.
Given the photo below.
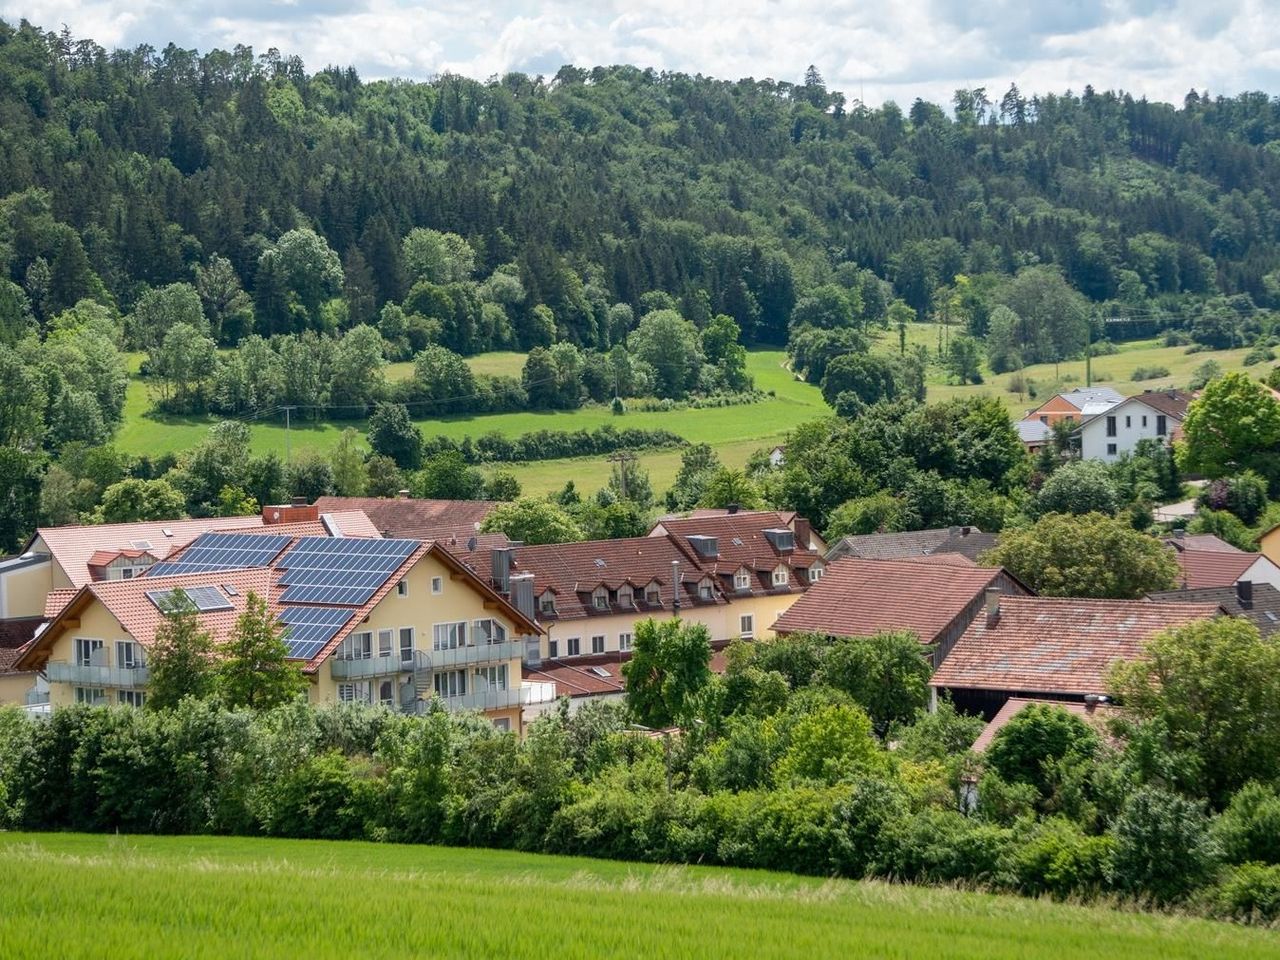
211, 552
204, 599
341, 570
308, 629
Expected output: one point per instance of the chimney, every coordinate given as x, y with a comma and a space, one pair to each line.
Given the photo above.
1244, 594
675, 587
706, 547
965, 531
734, 508
402, 495
290, 513
993, 606
500, 560
804, 533
298, 502
521, 585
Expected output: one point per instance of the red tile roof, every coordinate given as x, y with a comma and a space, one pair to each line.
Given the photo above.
1094, 715
741, 544
1212, 568
55, 600
1057, 646
579, 679
858, 597
416, 519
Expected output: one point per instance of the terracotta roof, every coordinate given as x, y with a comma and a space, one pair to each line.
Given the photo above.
416, 519
914, 543
72, 547
55, 600
101, 558
1263, 611
1173, 403
17, 631
1212, 568
742, 544
858, 597
578, 679
1094, 715
8, 657
1057, 646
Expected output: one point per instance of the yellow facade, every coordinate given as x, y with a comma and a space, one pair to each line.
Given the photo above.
15, 686
1269, 545
23, 590
95, 622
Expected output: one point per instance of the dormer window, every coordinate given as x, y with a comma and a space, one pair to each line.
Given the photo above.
815, 573
653, 594
547, 603
625, 597
781, 576
600, 598
704, 590
742, 580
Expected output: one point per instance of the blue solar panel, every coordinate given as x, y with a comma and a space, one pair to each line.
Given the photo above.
347, 570
211, 552
308, 629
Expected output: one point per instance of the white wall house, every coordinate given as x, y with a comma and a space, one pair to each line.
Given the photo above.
1156, 415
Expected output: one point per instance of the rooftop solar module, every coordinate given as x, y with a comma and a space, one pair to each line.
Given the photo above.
346, 570
204, 599
211, 552
308, 629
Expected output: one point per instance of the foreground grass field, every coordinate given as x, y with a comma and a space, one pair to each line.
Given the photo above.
72, 896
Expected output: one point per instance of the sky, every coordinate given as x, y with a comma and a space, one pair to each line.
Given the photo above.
889, 50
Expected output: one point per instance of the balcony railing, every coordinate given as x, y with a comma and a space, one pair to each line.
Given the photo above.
526, 693
369, 667
478, 653
86, 675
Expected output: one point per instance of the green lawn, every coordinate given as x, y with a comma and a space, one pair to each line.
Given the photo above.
76, 896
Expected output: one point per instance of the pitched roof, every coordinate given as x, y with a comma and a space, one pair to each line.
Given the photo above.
914, 543
1263, 611
1080, 397
17, 631
55, 600
1173, 403
1212, 568
404, 518
1032, 431
1093, 715
578, 678
1199, 541
857, 597
1058, 646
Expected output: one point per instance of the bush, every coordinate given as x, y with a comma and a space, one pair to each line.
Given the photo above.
1259, 354
1249, 829
1084, 486
1163, 848
1249, 893
943, 846
329, 797
1150, 373
1035, 740
1244, 495
1057, 858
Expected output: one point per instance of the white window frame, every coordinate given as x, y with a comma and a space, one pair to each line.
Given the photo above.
131, 698
402, 588
742, 581
747, 626
129, 655
625, 641
387, 701
597, 643
816, 572
706, 591
626, 597
386, 641
449, 683
493, 677
781, 576
437, 585
494, 632
502, 723
355, 691
408, 642
91, 696
547, 602
449, 636
86, 647
553, 648
356, 646
573, 647
600, 598
653, 594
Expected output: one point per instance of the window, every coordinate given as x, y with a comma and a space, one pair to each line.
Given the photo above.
1128, 422
624, 641
1144, 419
491, 678
815, 573
597, 644
653, 594
450, 636
90, 653
626, 598
600, 598
406, 644
128, 655
503, 724
746, 626
387, 693
437, 585
360, 691
704, 590
742, 580
1162, 425
131, 698
451, 683
402, 588
93, 696
384, 642
553, 648
1111, 426
575, 646
1044, 418
489, 631
1111, 449
358, 646
781, 577
547, 603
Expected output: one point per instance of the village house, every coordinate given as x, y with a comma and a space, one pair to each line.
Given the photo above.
1224, 568
390, 621
1073, 407
1150, 415
1050, 648
933, 597
1259, 603
451, 522
967, 541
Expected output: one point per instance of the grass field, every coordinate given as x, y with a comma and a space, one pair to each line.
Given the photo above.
75, 896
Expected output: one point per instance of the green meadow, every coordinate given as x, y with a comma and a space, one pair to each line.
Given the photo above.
79, 896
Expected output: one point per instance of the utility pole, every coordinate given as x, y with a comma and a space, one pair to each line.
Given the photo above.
622, 458
287, 410
1088, 354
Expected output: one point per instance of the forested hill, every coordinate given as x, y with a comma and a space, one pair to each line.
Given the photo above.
125, 170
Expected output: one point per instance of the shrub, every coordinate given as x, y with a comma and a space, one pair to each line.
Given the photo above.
1059, 859
1084, 486
328, 797
1259, 354
1150, 373
1163, 848
945, 846
1249, 893
1036, 739
1249, 829
1244, 495
862, 826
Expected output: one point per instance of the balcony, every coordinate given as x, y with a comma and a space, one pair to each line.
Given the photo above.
527, 693
478, 653
94, 675
371, 667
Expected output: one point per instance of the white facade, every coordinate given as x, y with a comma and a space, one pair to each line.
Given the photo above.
1117, 431
1262, 570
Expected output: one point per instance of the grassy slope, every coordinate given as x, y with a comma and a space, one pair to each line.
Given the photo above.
72, 896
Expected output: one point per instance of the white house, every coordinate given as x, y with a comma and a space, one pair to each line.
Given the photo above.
1151, 415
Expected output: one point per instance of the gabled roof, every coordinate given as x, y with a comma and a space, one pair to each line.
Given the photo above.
741, 539
1080, 397
1199, 541
582, 677
858, 598
1263, 612
1033, 431
1213, 568
1057, 646
1171, 403
404, 518
969, 541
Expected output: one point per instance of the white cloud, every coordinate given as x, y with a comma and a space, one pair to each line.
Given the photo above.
1158, 48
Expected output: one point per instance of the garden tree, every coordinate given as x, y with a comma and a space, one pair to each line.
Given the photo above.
357, 375
347, 463
614, 520
1150, 473
385, 478
698, 463
185, 362
235, 502
1089, 555
669, 666
886, 674
392, 434
880, 512
1249, 828
1224, 526
501, 485
253, 668
59, 498
436, 257
309, 475
1207, 692
828, 745
227, 308
1233, 426
446, 476
533, 522
132, 500
264, 479
728, 486
827, 307
180, 657
303, 272
964, 360
160, 310
1039, 737
1245, 496
1084, 486
19, 495
670, 345
867, 377
442, 380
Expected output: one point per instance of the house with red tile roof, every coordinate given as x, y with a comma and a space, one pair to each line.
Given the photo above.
1150, 415
1051, 647
1224, 568
934, 597
381, 621
403, 516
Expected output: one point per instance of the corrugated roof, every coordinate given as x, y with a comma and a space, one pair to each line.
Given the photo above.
857, 597
1057, 646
